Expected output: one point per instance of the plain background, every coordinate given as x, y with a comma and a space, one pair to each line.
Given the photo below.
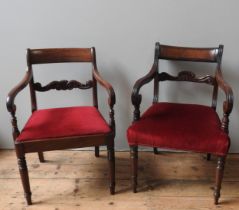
124, 33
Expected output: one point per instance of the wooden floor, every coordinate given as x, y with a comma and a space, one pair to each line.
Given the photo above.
78, 180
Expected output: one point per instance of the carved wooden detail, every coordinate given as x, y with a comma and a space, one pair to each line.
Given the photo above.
15, 130
112, 118
63, 85
186, 76
111, 161
156, 90
225, 123
110, 153
136, 100
22, 163
219, 176
134, 166
136, 113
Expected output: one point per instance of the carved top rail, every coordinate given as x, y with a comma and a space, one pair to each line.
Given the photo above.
189, 54
186, 76
63, 85
59, 55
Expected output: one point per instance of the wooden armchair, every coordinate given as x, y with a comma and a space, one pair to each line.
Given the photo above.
185, 127
66, 127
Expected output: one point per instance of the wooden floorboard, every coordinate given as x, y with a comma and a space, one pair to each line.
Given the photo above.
78, 180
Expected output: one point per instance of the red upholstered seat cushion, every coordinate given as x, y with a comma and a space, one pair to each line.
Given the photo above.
63, 122
185, 127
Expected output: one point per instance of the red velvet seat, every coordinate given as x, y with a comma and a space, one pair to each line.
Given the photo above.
179, 126
64, 122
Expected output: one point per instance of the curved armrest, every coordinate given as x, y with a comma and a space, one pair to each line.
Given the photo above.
107, 86
12, 94
136, 97
228, 103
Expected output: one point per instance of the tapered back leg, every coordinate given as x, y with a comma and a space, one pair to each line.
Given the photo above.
41, 157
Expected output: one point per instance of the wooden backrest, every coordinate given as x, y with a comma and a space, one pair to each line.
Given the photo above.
189, 54
59, 55
211, 55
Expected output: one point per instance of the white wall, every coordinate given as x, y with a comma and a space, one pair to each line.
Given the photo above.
124, 33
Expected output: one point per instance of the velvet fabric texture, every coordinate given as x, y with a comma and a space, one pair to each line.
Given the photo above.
186, 127
64, 122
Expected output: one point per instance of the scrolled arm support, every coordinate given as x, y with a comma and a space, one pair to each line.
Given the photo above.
11, 107
136, 98
111, 96
228, 103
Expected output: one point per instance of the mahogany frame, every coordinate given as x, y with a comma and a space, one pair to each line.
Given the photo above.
212, 55
61, 55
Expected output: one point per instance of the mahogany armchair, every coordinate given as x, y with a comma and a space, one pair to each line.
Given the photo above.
178, 126
66, 127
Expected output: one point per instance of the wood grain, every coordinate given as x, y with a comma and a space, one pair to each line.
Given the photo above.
77, 180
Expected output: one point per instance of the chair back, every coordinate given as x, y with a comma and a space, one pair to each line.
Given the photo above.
175, 53
61, 55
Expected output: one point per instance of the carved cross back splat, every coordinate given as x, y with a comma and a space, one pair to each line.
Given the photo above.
63, 85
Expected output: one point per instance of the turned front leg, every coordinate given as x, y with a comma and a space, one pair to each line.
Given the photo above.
111, 160
25, 178
219, 177
134, 166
